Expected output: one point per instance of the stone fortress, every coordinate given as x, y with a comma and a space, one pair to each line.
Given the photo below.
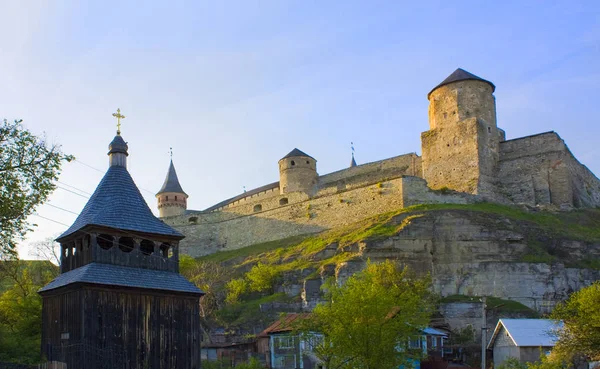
465, 159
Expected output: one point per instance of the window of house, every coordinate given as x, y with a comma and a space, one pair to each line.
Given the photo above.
284, 342
414, 343
257, 208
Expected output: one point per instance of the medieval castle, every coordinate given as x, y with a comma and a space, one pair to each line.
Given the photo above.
465, 158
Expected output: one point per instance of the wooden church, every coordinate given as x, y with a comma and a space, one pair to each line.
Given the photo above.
120, 301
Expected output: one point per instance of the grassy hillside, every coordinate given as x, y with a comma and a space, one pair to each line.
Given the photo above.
289, 261
580, 225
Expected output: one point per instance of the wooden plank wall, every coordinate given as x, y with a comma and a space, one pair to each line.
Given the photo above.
128, 328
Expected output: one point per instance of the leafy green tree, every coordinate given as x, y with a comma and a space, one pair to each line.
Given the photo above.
28, 169
21, 309
367, 322
580, 336
235, 289
262, 278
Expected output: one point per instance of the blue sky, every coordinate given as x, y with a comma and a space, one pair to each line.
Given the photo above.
233, 86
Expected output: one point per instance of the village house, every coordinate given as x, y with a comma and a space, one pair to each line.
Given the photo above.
523, 339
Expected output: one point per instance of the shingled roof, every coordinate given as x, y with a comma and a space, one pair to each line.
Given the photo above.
171, 183
116, 275
117, 203
461, 75
296, 152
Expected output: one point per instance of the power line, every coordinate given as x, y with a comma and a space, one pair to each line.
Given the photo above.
78, 189
102, 171
89, 166
52, 220
63, 209
73, 192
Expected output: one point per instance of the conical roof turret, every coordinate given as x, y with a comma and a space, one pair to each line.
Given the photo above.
171, 183
461, 75
296, 152
352, 162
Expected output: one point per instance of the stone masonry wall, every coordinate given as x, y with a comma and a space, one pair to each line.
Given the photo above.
450, 156
240, 226
540, 169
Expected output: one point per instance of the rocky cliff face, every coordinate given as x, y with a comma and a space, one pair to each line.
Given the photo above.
477, 253
532, 257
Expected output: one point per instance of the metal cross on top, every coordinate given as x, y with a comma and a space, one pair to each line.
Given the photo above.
119, 116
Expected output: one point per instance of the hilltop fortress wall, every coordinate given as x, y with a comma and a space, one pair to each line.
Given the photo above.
343, 198
540, 169
466, 158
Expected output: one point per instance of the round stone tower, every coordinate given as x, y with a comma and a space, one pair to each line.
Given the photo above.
297, 172
171, 198
460, 150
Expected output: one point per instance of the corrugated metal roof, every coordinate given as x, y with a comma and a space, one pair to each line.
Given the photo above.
116, 275
433, 332
117, 203
529, 332
171, 183
283, 325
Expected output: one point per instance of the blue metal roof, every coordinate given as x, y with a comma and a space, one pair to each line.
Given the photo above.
117, 203
116, 275
529, 332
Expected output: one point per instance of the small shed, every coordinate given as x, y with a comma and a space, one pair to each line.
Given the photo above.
523, 339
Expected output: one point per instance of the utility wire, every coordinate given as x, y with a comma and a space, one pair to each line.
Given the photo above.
63, 209
102, 171
73, 192
89, 166
73, 187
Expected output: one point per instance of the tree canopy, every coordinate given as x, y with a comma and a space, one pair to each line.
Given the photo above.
29, 168
368, 321
21, 309
580, 335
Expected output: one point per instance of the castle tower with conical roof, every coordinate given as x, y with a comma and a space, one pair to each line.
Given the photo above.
120, 298
297, 173
172, 200
460, 150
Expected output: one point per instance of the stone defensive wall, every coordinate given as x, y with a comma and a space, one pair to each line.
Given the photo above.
240, 226
540, 169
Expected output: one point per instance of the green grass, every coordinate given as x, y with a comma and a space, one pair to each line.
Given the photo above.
581, 225
247, 312
301, 252
258, 248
